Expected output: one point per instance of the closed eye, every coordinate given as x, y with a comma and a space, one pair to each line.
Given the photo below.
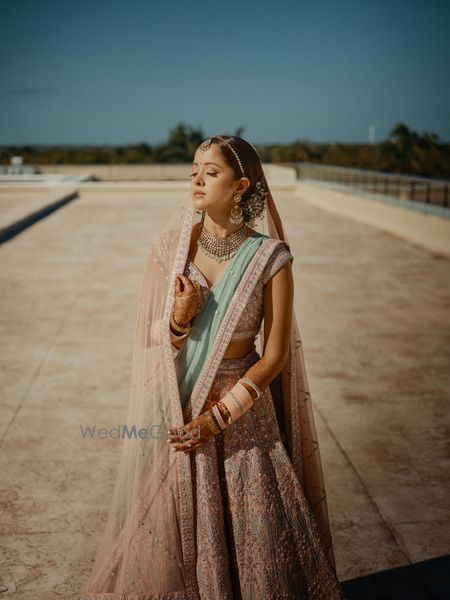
194, 174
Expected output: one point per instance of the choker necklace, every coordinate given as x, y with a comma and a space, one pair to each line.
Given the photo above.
221, 248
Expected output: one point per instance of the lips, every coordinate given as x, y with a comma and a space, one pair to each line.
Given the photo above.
199, 193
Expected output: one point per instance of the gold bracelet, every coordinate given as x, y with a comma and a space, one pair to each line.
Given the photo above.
218, 415
178, 327
226, 411
211, 421
216, 423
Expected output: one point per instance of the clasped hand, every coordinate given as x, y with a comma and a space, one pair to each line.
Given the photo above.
197, 434
188, 299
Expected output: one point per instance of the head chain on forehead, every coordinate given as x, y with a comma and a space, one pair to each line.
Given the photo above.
207, 143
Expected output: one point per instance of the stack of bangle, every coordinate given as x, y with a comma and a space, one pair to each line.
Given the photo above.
235, 403
214, 418
225, 410
216, 411
253, 385
239, 400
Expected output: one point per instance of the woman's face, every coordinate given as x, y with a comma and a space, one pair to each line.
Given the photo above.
212, 176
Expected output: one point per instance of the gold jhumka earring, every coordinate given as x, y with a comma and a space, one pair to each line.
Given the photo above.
236, 215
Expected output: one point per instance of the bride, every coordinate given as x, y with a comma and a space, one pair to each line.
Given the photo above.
219, 493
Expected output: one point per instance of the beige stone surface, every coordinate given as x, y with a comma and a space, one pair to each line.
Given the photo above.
19, 202
373, 316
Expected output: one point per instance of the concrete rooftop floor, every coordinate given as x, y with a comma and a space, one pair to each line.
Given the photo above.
373, 312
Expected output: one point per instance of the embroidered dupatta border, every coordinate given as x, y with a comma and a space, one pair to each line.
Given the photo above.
183, 461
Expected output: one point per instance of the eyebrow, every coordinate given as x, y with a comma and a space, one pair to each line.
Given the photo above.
208, 163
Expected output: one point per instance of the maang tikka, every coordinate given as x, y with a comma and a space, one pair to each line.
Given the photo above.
204, 146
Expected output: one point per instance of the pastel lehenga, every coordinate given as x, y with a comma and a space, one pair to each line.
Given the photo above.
245, 515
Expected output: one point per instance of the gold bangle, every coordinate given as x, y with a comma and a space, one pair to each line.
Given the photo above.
212, 424
224, 409
218, 416
216, 423
177, 326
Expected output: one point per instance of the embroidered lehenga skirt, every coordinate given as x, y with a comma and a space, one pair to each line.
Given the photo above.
256, 539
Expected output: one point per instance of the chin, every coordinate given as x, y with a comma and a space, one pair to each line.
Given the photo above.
198, 202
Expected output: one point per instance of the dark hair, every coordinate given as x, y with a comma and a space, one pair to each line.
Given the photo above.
251, 164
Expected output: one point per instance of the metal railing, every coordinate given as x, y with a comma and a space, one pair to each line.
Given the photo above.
417, 189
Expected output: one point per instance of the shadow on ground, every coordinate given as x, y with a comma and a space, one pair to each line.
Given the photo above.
427, 580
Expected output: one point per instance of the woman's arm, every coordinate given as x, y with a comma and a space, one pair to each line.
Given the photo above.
177, 340
278, 306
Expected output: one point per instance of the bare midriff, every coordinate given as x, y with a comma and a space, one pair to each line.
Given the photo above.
239, 348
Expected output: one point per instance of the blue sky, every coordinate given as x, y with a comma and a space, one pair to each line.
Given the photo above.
121, 72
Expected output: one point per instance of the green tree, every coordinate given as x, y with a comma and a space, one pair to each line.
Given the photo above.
181, 145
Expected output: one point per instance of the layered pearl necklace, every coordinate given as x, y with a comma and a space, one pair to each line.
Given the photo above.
221, 248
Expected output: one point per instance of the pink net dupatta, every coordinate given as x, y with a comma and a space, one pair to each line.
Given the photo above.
148, 550
292, 399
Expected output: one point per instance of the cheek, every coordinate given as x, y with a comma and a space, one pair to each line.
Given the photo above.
221, 184
215, 186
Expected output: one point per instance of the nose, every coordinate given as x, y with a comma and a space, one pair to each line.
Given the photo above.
197, 178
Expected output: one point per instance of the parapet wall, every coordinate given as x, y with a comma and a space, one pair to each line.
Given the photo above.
427, 230
153, 172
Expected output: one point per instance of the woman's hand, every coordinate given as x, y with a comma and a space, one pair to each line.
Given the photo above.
197, 434
188, 299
